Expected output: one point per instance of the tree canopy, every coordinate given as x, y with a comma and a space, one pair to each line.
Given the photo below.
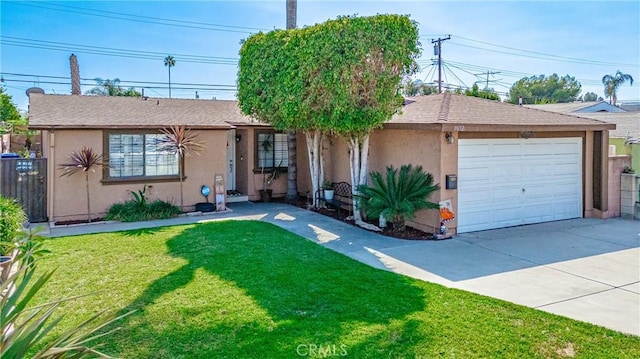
112, 88
590, 97
612, 82
9, 114
342, 76
285, 75
542, 89
486, 93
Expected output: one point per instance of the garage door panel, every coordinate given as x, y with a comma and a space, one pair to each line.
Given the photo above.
475, 150
506, 150
492, 174
537, 149
506, 194
476, 173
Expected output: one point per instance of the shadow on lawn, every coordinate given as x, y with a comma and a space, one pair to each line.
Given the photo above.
312, 295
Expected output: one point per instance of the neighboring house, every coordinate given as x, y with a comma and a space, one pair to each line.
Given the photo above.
125, 130
627, 123
579, 107
514, 165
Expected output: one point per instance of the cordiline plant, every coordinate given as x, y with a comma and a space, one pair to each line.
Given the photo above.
180, 141
84, 161
400, 196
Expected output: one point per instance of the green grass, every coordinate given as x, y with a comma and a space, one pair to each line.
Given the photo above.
253, 290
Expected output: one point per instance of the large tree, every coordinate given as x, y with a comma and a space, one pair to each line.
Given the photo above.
475, 91
612, 82
112, 88
9, 115
342, 77
542, 89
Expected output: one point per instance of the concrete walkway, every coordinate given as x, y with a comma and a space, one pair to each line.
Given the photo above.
586, 269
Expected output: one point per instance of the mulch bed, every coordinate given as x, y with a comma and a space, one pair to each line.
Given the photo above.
78, 221
409, 233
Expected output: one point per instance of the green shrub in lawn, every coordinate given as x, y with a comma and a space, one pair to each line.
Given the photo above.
132, 211
140, 209
12, 218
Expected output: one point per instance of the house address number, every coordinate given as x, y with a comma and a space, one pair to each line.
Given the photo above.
458, 128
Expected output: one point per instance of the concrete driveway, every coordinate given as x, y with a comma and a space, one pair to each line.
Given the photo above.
585, 269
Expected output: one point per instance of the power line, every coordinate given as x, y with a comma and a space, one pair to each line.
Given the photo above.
108, 51
137, 18
592, 62
120, 80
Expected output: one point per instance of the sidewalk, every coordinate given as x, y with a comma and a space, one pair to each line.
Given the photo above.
586, 269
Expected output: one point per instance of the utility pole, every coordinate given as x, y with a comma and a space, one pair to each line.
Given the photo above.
438, 51
490, 73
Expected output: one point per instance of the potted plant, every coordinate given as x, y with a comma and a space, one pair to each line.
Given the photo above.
268, 176
328, 190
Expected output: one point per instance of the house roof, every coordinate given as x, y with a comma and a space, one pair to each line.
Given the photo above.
452, 112
69, 111
627, 123
582, 107
445, 112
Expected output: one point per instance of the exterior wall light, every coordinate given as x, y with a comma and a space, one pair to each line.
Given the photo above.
448, 136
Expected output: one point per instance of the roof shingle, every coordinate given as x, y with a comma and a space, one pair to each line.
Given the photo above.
69, 111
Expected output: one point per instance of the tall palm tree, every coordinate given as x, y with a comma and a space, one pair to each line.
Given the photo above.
292, 168
170, 62
611, 84
84, 160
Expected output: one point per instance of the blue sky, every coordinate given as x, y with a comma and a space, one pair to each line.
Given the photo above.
584, 39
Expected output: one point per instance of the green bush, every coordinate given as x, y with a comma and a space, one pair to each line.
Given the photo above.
12, 218
399, 197
134, 211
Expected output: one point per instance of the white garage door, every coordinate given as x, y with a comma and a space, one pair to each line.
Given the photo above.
509, 182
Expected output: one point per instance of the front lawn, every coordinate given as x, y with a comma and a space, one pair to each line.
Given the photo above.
253, 290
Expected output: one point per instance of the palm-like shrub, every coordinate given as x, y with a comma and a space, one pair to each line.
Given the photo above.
179, 140
84, 161
23, 325
400, 196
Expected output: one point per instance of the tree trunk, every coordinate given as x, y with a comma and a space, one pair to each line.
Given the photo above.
86, 178
292, 167
316, 169
169, 81
358, 162
292, 8
180, 164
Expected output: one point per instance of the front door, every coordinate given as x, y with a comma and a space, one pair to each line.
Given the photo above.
231, 160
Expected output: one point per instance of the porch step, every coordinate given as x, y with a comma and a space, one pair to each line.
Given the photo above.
234, 199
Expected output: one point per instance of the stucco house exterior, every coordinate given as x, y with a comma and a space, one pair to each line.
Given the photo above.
124, 130
514, 165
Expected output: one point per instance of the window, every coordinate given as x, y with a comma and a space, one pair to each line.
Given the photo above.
138, 155
272, 150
